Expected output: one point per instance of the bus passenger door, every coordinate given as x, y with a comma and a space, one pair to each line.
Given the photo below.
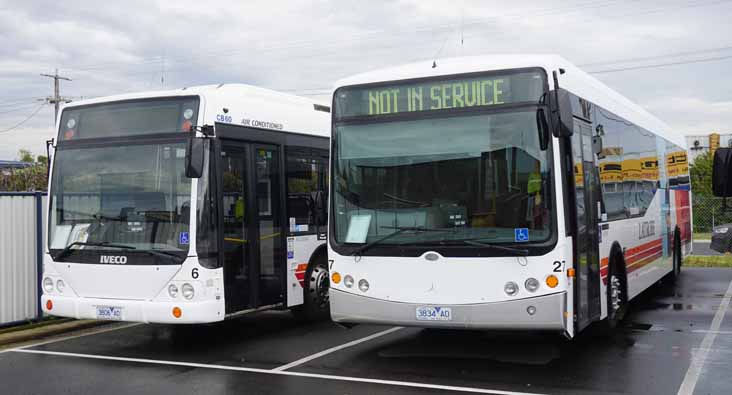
587, 193
237, 274
253, 257
266, 228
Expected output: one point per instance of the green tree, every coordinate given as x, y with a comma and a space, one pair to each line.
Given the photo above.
701, 175
31, 178
25, 156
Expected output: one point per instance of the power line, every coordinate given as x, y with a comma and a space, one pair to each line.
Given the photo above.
23, 121
668, 55
16, 109
654, 66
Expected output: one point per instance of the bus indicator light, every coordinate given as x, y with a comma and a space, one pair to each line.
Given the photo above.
49, 305
186, 127
570, 272
336, 277
177, 312
552, 281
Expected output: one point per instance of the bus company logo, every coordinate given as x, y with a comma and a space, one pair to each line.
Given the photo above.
113, 259
646, 229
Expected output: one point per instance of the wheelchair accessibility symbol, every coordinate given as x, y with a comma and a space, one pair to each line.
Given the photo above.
521, 235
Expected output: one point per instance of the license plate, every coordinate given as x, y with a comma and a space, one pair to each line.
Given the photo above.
434, 313
109, 313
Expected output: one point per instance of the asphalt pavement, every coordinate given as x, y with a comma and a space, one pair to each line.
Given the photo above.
674, 340
702, 248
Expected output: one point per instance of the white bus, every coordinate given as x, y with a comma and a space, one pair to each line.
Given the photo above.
188, 206
499, 192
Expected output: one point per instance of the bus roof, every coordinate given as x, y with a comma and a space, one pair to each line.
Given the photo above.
297, 114
574, 80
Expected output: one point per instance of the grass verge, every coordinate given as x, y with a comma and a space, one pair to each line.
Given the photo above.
708, 261
702, 236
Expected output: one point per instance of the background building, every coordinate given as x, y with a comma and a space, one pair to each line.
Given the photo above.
699, 144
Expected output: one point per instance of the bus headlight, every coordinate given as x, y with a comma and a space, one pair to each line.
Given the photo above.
172, 290
511, 288
363, 285
348, 281
187, 291
531, 284
60, 285
48, 285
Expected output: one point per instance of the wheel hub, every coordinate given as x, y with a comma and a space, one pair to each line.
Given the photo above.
319, 285
616, 293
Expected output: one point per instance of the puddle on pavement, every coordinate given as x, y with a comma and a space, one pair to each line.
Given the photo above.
524, 350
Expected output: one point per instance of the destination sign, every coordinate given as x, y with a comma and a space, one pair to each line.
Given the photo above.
453, 93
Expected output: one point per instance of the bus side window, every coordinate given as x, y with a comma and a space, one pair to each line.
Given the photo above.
306, 189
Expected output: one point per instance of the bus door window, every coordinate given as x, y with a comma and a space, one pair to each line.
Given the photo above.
587, 191
267, 176
236, 245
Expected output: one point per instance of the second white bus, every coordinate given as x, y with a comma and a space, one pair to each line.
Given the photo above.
499, 192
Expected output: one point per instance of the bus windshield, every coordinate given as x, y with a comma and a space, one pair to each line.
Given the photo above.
456, 178
132, 195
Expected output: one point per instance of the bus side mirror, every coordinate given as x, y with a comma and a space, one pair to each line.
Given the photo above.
561, 113
722, 173
194, 157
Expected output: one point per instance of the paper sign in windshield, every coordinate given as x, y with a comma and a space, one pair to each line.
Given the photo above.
358, 228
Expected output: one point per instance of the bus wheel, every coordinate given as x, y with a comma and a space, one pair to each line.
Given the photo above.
316, 305
617, 294
677, 259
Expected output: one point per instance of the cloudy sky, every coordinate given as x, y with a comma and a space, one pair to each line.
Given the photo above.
673, 57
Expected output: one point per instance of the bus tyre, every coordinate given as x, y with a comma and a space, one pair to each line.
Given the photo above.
316, 303
677, 259
617, 291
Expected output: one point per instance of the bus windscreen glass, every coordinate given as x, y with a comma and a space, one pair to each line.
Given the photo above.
463, 177
139, 117
136, 196
444, 94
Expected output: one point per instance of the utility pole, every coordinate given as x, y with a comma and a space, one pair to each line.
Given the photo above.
56, 99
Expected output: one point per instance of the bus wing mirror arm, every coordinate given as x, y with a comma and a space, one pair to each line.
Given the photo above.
194, 157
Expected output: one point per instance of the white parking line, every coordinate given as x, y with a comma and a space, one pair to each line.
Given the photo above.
716, 332
697, 361
281, 373
334, 349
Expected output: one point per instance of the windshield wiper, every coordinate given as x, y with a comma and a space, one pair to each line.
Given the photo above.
400, 230
66, 251
513, 250
406, 201
162, 254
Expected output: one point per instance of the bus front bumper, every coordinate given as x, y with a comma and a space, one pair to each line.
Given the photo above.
134, 310
549, 313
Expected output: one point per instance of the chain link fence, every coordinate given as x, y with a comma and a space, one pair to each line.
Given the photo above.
708, 212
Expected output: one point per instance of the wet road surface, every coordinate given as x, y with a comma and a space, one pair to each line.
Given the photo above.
665, 344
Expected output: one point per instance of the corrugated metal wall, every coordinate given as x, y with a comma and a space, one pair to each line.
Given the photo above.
19, 230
